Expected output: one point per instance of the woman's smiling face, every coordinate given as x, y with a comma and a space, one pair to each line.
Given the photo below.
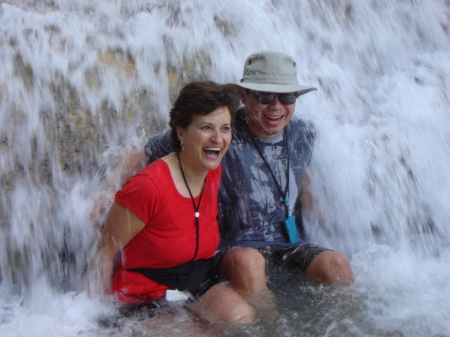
206, 139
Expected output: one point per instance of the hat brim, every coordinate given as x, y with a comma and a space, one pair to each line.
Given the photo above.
276, 88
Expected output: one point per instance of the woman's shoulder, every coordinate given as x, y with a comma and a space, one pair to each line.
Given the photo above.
156, 172
159, 166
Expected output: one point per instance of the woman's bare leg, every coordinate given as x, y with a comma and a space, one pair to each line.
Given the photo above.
222, 303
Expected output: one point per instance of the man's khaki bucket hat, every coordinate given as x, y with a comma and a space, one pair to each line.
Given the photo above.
271, 71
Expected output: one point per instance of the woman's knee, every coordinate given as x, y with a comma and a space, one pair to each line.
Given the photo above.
223, 304
242, 313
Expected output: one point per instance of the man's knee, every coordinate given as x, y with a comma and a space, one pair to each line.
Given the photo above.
244, 259
330, 267
245, 269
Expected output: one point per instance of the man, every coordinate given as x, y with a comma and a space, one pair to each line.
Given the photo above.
264, 184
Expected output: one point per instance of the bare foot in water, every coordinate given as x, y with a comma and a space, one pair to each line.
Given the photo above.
264, 303
168, 325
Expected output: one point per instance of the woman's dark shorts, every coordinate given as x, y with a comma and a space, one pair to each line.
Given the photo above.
196, 277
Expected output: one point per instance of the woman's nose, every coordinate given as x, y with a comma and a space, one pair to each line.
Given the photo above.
216, 136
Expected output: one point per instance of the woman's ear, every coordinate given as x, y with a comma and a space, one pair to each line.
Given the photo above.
180, 133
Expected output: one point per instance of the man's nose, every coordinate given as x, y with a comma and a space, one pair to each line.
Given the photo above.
276, 103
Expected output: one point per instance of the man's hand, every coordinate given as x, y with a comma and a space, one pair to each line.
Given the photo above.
130, 158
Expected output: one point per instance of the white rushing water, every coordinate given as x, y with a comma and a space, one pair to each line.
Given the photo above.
81, 80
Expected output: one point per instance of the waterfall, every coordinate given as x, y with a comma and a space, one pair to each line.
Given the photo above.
83, 81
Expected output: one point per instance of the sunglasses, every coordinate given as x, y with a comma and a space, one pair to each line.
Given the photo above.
269, 97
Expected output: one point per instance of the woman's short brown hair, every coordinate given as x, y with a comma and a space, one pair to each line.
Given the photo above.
200, 98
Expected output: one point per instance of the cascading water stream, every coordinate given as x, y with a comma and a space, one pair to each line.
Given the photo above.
82, 82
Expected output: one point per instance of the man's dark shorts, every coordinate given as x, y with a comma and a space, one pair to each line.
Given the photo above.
299, 256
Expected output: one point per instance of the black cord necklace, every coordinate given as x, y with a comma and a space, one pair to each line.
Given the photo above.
196, 207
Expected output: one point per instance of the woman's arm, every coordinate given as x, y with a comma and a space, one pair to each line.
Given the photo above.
121, 227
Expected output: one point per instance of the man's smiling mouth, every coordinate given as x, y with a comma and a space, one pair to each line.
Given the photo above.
274, 118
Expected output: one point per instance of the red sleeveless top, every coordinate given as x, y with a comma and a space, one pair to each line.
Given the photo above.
169, 236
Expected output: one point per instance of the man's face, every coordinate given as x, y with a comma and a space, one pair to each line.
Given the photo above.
266, 120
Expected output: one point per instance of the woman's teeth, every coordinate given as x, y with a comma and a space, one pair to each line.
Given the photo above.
212, 150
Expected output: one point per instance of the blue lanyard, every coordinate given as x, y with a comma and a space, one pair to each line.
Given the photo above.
282, 194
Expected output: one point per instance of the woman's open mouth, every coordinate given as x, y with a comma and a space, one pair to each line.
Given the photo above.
212, 152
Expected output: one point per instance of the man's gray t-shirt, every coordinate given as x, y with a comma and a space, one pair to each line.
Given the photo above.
252, 211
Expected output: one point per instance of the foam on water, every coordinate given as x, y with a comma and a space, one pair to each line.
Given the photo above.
82, 81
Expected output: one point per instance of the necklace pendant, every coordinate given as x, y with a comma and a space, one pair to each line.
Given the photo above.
284, 202
197, 214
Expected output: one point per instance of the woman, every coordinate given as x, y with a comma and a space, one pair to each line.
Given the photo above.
161, 231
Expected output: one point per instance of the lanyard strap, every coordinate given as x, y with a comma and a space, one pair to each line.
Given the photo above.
282, 194
196, 207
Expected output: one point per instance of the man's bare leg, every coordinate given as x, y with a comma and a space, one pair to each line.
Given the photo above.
245, 269
330, 267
